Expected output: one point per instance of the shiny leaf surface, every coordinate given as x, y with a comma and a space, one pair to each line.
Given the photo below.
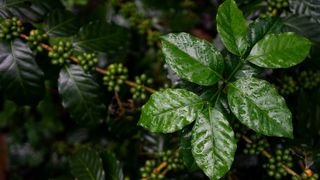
213, 143
170, 110
280, 51
232, 27
87, 165
257, 104
80, 96
185, 149
111, 166
261, 27
193, 59
20, 77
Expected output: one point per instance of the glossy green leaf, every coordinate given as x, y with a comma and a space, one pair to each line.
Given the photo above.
280, 51
213, 143
193, 59
20, 77
257, 104
263, 26
232, 27
86, 164
62, 23
170, 110
111, 166
80, 95
185, 149
103, 37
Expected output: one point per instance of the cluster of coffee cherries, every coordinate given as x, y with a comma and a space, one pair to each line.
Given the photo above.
10, 28
138, 91
259, 143
287, 85
307, 175
148, 171
167, 161
116, 75
88, 61
61, 53
173, 159
275, 7
275, 165
36, 37
309, 79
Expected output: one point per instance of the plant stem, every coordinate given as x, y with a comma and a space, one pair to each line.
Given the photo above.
269, 156
98, 69
235, 69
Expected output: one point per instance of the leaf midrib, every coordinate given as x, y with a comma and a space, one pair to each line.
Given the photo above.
61, 24
87, 169
81, 95
180, 107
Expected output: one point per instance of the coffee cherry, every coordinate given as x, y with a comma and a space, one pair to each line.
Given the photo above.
116, 75
276, 7
10, 29
282, 156
61, 53
259, 143
36, 37
88, 61
138, 91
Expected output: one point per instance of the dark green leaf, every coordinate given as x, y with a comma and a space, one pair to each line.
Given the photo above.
257, 104
213, 143
20, 77
306, 7
170, 110
62, 23
263, 26
193, 59
304, 26
185, 146
111, 166
87, 165
103, 37
280, 51
80, 95
27, 10
232, 27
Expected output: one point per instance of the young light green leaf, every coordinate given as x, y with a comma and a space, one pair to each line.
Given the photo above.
62, 23
213, 143
170, 110
103, 37
193, 59
257, 104
86, 164
80, 96
280, 51
232, 27
20, 77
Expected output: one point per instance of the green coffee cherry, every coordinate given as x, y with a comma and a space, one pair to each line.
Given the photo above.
309, 79
276, 7
88, 61
61, 53
138, 91
10, 28
36, 37
116, 75
288, 86
259, 143
307, 175
274, 166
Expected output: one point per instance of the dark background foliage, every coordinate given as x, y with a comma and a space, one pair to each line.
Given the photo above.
42, 139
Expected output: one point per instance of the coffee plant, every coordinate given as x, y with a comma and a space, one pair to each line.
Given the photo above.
123, 89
